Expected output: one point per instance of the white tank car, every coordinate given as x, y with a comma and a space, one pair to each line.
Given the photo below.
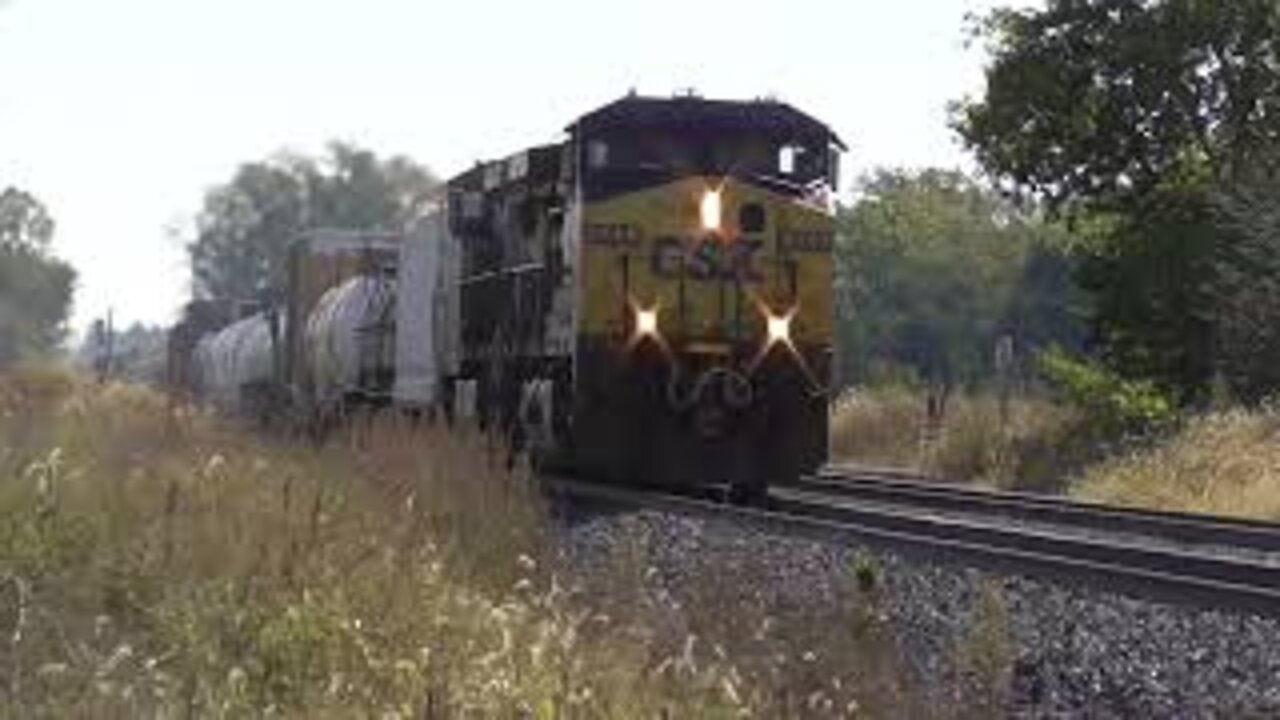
349, 339
234, 365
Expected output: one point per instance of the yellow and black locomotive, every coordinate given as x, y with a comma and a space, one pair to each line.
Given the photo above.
650, 300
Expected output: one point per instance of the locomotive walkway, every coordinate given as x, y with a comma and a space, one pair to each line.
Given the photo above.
1215, 562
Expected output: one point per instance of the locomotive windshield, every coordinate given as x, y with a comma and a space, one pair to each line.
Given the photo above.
685, 153
636, 141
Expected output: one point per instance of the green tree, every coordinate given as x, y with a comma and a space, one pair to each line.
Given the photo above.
1128, 115
25, 224
243, 231
1248, 281
932, 269
35, 288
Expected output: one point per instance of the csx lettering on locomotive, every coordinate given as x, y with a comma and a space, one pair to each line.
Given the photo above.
706, 259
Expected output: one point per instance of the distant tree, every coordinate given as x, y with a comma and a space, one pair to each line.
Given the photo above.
35, 288
1128, 116
25, 224
243, 230
932, 269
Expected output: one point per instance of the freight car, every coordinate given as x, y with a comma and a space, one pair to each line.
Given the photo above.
200, 318
235, 366
646, 302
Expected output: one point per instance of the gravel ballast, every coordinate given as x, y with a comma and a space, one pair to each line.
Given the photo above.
1053, 649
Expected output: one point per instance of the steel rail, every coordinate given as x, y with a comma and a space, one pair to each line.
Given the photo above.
1165, 574
904, 488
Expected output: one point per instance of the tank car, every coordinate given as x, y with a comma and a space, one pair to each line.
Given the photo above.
199, 319
649, 301
338, 350
235, 366
349, 337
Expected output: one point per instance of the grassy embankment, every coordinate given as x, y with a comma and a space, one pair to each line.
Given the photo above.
154, 561
1225, 462
885, 427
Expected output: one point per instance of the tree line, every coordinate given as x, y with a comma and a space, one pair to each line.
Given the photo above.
934, 269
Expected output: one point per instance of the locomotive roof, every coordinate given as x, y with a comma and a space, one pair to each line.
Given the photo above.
696, 113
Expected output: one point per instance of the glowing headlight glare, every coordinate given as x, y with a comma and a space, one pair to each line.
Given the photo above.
646, 321
710, 210
779, 328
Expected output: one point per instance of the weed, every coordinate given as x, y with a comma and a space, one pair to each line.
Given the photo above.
1224, 463
986, 656
866, 570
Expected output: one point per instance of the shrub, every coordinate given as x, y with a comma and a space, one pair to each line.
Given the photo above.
1113, 407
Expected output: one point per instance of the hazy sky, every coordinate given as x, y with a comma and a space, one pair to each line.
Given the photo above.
119, 114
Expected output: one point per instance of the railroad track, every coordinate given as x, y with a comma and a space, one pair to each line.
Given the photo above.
903, 487
1213, 562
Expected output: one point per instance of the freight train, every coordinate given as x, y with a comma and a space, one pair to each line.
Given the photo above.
646, 302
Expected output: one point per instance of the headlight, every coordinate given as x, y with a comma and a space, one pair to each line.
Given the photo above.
779, 328
646, 321
710, 210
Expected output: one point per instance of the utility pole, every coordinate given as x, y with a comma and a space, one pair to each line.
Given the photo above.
105, 347
1004, 376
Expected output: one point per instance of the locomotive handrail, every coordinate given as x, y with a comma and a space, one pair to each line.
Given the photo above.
494, 274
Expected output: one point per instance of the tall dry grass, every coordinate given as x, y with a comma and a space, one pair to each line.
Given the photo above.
887, 426
1224, 463
155, 561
